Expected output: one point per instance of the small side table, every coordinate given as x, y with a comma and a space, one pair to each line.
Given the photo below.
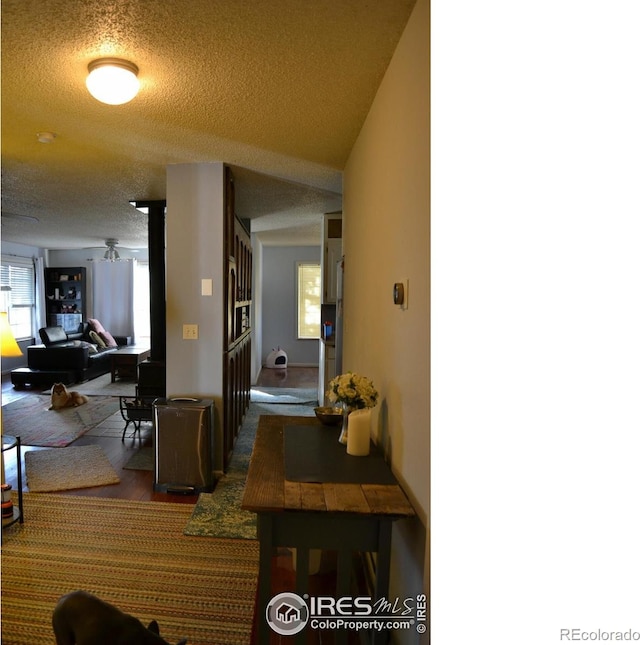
9, 442
125, 361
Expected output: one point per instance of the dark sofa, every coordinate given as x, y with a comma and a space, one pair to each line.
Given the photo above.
65, 358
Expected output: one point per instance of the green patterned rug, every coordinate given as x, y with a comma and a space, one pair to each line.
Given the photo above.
218, 514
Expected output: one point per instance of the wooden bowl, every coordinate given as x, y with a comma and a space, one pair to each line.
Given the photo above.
329, 416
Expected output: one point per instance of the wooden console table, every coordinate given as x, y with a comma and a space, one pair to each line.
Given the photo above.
125, 361
341, 517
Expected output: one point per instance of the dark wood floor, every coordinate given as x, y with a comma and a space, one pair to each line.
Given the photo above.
298, 377
138, 484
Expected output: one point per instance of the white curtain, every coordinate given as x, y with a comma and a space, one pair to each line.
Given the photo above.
113, 295
41, 316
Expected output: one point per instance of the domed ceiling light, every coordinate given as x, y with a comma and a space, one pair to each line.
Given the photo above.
112, 80
46, 137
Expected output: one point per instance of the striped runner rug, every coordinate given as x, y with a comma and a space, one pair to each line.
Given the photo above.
133, 555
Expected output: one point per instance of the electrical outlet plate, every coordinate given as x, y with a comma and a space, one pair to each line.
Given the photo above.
190, 332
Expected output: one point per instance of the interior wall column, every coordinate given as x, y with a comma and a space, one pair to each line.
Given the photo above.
157, 281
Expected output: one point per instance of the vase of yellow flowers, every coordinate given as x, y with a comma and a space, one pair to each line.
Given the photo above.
354, 392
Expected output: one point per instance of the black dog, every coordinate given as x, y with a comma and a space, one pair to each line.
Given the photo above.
82, 619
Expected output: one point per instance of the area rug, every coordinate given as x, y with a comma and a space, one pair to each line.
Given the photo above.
307, 396
102, 386
36, 425
218, 514
68, 468
131, 554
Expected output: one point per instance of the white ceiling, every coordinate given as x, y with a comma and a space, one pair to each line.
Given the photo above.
278, 89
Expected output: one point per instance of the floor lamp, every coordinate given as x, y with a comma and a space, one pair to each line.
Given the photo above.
9, 349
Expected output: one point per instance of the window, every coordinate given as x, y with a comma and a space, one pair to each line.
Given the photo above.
19, 301
309, 285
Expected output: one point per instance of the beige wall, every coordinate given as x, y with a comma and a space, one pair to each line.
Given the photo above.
386, 239
195, 198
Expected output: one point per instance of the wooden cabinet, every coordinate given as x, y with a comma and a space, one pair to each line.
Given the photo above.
237, 393
65, 292
239, 267
238, 299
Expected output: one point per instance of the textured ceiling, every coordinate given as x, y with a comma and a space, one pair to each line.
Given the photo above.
279, 89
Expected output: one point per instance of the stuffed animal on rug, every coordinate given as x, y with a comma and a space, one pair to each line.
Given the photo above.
82, 619
62, 398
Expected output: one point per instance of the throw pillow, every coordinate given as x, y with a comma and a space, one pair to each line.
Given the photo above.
96, 325
96, 339
93, 349
108, 339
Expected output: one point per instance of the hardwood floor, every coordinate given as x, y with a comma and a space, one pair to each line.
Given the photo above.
299, 377
138, 484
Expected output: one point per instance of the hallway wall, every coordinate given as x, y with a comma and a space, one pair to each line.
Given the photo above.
386, 238
279, 315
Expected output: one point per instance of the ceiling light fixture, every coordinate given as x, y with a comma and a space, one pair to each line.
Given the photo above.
46, 137
112, 80
111, 253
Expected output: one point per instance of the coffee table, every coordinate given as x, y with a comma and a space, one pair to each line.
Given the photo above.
124, 362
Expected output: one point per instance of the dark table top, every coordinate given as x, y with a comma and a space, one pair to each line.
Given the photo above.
268, 490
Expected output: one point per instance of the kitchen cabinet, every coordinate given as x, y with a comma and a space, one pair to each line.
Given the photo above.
331, 253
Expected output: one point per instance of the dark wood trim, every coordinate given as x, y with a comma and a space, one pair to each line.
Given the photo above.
157, 280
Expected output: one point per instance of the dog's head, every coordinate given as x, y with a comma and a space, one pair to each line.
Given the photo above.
58, 388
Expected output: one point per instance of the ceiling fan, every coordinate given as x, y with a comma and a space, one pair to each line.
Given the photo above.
111, 253
109, 250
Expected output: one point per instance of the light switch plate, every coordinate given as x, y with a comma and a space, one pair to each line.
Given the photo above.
190, 332
206, 287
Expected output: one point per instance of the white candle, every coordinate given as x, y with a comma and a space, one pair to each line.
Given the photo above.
359, 432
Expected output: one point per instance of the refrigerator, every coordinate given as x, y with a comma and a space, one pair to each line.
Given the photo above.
183, 445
